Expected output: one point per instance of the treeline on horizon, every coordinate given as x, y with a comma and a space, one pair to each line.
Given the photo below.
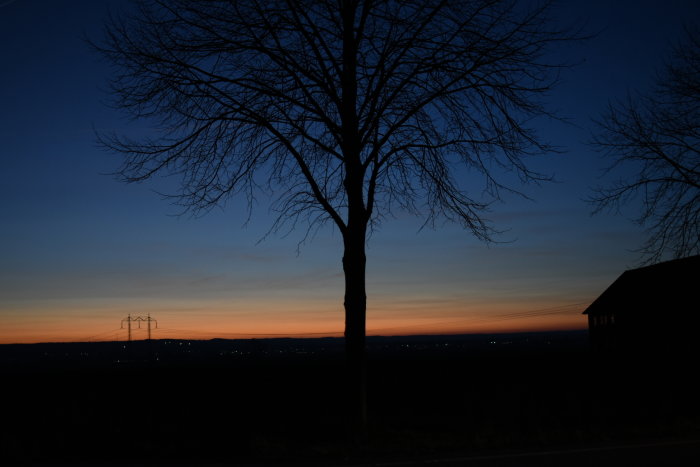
223, 351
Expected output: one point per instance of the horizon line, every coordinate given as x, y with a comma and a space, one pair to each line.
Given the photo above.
302, 336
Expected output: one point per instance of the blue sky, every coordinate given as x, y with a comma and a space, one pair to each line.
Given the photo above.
79, 250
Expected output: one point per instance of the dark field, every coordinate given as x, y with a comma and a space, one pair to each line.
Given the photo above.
269, 401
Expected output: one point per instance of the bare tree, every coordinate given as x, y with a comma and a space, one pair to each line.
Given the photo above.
345, 111
654, 140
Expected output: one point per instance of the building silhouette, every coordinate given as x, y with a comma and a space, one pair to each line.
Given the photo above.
652, 310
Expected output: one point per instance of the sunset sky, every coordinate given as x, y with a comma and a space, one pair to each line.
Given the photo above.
79, 250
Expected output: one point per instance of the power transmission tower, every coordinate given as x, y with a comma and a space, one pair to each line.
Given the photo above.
128, 320
149, 320
139, 320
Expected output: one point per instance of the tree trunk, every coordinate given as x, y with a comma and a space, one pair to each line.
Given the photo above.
354, 262
354, 236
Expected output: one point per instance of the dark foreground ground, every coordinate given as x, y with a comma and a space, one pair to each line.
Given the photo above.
470, 398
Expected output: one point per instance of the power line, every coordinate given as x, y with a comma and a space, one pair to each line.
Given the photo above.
548, 311
139, 320
560, 309
97, 336
258, 334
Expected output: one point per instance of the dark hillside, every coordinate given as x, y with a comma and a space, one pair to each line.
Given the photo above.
282, 400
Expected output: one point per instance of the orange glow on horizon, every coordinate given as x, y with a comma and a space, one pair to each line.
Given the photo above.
221, 321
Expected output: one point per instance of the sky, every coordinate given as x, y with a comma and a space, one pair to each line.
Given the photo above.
80, 251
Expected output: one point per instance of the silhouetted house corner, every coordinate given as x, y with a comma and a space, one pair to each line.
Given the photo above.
649, 310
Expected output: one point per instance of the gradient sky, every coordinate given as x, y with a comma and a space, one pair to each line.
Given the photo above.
80, 250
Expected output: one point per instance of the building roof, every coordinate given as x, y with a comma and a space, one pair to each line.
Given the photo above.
667, 282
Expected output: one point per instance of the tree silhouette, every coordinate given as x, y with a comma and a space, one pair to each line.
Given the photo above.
656, 137
346, 111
